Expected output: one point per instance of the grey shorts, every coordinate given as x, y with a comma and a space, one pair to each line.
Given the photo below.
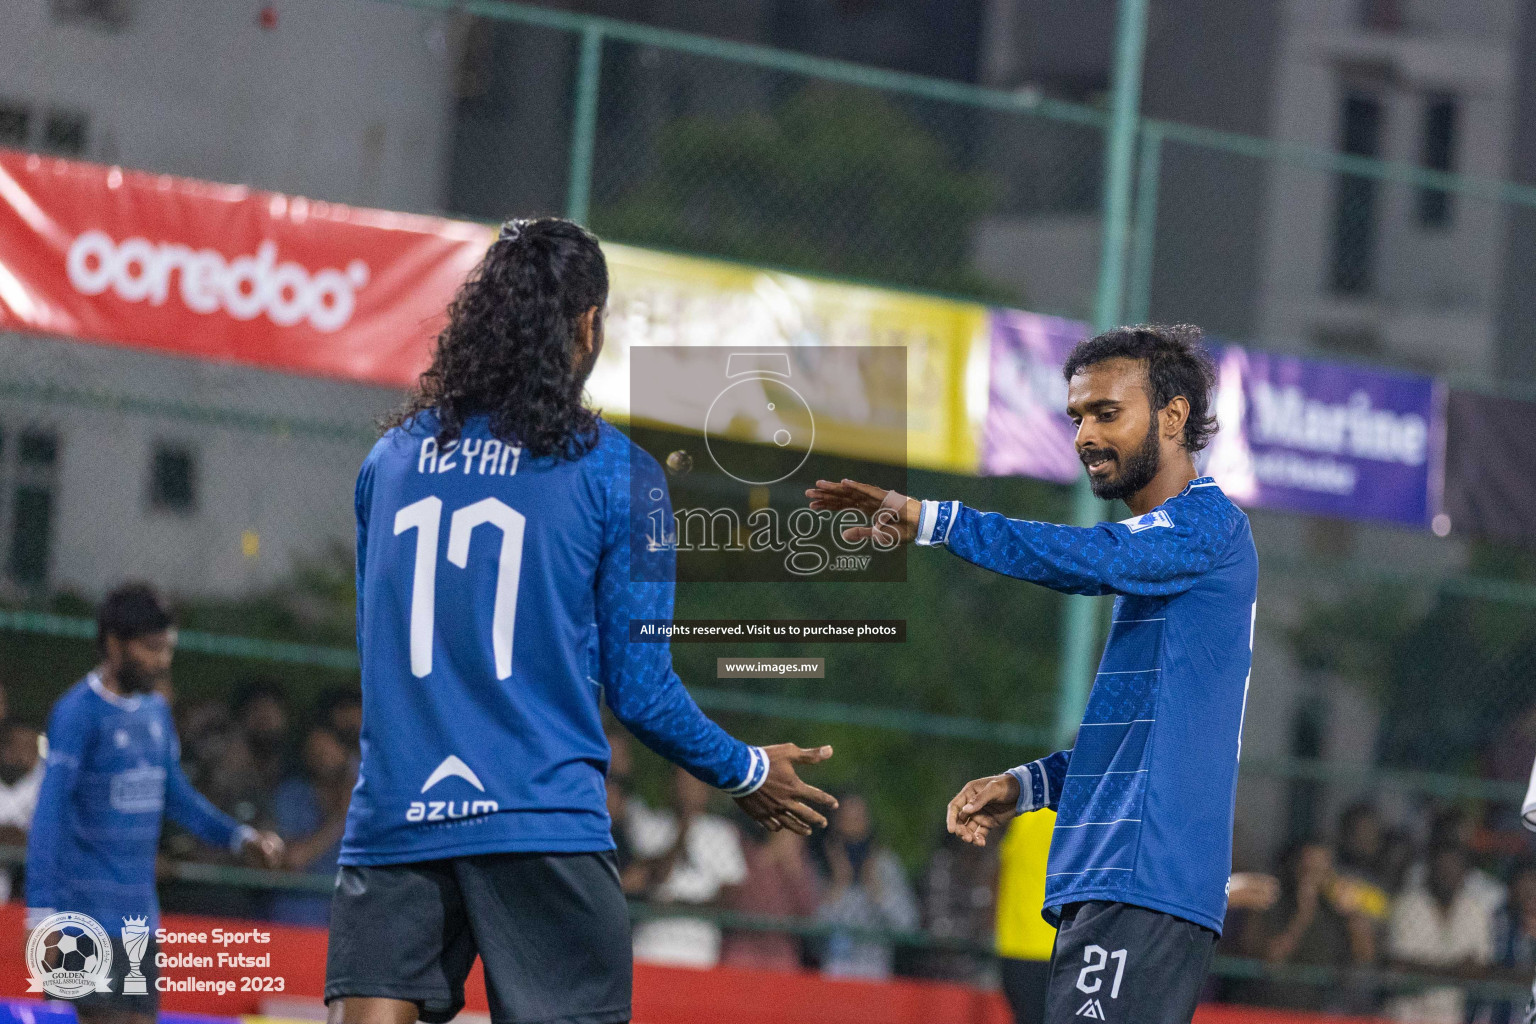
1123, 964
551, 929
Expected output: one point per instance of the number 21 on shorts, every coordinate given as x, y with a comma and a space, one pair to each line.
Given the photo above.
1096, 957
426, 517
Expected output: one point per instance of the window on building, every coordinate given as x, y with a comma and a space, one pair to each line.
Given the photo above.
32, 506
1442, 114
1381, 15
1356, 199
103, 13
173, 479
14, 120
64, 133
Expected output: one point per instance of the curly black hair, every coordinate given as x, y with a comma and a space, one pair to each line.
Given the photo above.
1177, 364
130, 611
508, 350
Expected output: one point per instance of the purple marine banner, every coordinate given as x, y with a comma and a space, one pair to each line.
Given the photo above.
1296, 434
1027, 432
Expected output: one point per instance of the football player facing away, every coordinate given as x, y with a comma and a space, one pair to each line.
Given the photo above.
1142, 847
496, 523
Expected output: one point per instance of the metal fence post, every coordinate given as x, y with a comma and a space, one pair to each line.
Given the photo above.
578, 196
1138, 298
1075, 675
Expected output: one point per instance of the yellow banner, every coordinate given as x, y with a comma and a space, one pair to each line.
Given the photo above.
661, 299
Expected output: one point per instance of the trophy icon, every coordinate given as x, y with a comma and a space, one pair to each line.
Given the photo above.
135, 934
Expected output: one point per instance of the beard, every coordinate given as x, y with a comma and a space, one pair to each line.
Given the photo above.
132, 678
1135, 472
266, 743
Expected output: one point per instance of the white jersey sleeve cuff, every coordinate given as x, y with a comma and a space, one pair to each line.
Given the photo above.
242, 835
757, 774
1034, 787
1528, 809
935, 520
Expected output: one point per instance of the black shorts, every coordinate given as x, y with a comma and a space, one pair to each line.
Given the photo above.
118, 1001
551, 929
1123, 964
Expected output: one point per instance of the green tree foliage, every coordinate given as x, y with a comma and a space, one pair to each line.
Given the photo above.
835, 180
1450, 667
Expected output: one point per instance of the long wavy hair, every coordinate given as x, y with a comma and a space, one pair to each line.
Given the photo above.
508, 350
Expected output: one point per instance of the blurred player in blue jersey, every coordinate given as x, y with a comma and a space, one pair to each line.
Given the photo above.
496, 523
113, 772
1142, 847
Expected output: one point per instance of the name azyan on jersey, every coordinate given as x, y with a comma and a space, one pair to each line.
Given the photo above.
492, 457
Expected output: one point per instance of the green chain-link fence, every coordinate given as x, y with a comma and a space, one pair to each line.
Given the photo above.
1405, 663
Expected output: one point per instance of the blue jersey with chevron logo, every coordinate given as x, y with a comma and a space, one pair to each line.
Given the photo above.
114, 773
1145, 799
494, 596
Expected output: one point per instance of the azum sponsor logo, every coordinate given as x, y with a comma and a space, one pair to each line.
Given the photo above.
449, 810
139, 270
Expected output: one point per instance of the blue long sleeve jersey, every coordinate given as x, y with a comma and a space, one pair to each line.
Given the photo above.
491, 589
1145, 799
113, 772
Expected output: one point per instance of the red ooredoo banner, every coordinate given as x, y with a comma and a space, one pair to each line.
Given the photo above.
224, 272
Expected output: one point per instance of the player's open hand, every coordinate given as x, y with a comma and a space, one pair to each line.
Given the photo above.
266, 849
893, 517
783, 801
981, 806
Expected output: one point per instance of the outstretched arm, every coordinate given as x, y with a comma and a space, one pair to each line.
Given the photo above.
1153, 555
645, 692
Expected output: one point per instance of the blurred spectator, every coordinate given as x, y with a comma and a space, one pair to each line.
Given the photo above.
261, 713
1362, 852
201, 724
1397, 859
781, 882
1454, 826
691, 857
1024, 939
5, 705
21, 776
21, 773
959, 891
311, 814
1444, 925
1362, 873
1316, 921
1514, 945
866, 888
218, 761
341, 709
233, 779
